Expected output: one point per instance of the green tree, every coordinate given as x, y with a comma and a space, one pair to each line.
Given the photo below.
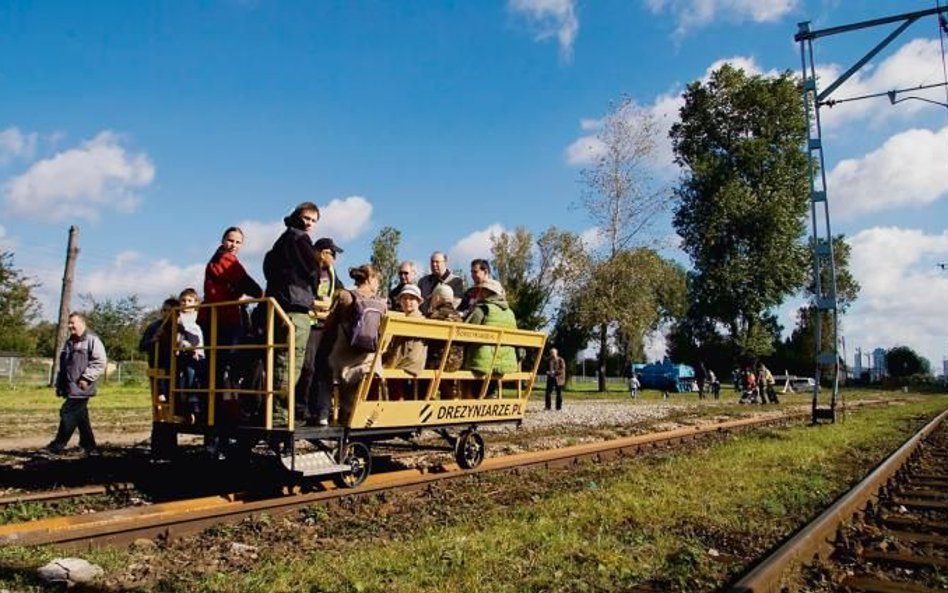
18, 307
902, 361
118, 323
743, 199
385, 255
532, 272
44, 338
621, 196
631, 294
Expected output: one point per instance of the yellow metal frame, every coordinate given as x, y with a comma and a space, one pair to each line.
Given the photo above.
425, 409
165, 411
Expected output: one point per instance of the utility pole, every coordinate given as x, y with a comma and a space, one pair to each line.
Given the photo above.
72, 251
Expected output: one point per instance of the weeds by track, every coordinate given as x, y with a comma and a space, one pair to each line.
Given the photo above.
889, 534
183, 517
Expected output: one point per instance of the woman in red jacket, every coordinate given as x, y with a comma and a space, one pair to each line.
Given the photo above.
225, 279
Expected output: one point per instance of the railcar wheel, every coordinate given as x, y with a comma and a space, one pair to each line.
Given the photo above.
359, 460
469, 449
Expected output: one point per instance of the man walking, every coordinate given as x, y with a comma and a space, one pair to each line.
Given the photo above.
81, 363
555, 378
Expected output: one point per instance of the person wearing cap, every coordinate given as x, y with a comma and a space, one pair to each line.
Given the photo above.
440, 274
407, 354
442, 309
491, 309
313, 390
291, 272
406, 275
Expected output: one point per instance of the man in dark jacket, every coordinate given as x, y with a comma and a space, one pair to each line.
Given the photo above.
440, 274
81, 363
406, 275
291, 269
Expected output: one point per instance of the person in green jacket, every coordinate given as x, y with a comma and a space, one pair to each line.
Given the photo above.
491, 309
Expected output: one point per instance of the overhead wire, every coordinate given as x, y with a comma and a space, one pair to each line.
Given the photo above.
942, 30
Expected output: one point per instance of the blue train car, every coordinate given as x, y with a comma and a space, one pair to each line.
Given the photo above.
666, 376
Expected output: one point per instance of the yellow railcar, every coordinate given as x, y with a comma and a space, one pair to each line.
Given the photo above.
239, 405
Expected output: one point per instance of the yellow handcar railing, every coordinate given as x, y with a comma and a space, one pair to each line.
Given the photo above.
165, 411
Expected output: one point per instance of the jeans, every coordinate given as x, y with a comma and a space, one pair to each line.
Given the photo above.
73, 414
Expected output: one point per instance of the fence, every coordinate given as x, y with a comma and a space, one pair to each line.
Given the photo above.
33, 372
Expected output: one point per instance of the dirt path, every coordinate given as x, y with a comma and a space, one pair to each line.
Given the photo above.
35, 441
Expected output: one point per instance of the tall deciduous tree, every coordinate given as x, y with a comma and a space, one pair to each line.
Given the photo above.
118, 323
902, 361
799, 351
385, 254
743, 199
632, 294
18, 307
531, 272
622, 197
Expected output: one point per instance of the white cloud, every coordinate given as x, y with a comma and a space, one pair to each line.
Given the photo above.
123, 276
903, 292
586, 149
918, 62
693, 14
656, 345
592, 238
80, 182
473, 246
342, 219
16, 144
907, 170
6, 242
550, 18
345, 219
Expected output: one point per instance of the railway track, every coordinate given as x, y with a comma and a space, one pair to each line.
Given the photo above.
889, 534
174, 519
66, 493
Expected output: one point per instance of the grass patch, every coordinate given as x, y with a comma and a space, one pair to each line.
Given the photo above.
678, 520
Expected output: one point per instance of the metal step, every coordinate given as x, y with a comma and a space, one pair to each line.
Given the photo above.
314, 464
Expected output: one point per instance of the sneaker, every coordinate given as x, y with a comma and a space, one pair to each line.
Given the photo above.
324, 421
54, 449
92, 452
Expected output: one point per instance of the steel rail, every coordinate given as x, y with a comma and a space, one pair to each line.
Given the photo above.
174, 519
66, 493
816, 538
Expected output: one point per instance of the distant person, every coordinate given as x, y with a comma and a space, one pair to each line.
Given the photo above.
715, 384
701, 377
291, 271
81, 363
156, 344
480, 271
406, 275
555, 378
440, 274
765, 384
634, 386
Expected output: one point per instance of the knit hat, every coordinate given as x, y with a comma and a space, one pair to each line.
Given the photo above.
493, 286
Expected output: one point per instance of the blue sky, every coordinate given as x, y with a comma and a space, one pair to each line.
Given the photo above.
153, 126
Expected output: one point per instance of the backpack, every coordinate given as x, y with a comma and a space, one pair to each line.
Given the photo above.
367, 315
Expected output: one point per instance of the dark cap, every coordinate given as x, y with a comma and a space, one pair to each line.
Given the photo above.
326, 243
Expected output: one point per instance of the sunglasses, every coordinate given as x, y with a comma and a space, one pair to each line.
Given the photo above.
403, 273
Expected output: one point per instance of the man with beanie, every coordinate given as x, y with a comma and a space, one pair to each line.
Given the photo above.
291, 270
